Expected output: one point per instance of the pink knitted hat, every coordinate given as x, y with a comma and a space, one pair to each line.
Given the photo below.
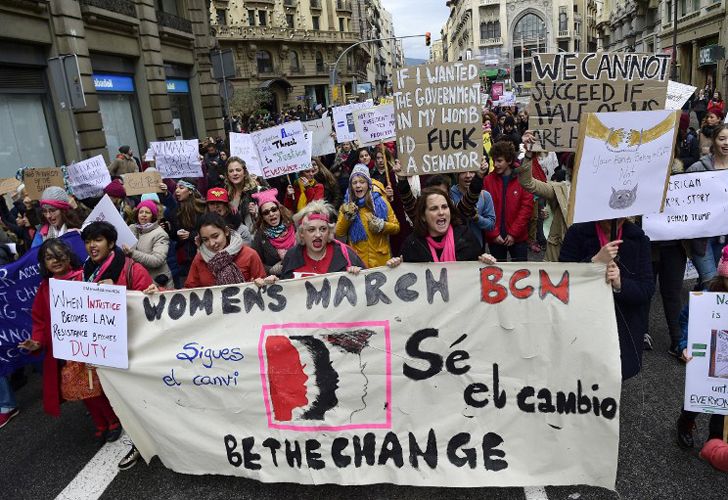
266, 196
723, 264
150, 205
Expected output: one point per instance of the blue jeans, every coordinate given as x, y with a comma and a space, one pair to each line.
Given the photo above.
707, 265
7, 397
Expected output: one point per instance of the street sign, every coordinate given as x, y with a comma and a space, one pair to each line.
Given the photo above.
223, 64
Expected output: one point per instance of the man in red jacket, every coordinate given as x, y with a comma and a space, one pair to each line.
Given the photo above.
513, 206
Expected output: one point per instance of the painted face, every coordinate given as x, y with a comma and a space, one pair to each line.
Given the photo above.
219, 207
57, 266
144, 216
53, 216
721, 143
464, 178
359, 186
500, 165
214, 238
315, 235
236, 173
271, 213
437, 215
712, 119
182, 193
99, 248
364, 157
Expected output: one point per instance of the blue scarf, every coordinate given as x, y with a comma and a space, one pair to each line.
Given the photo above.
357, 232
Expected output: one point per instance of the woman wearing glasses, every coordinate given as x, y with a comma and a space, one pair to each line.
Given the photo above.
58, 214
275, 233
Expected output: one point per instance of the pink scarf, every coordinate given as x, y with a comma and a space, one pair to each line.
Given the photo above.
285, 240
604, 237
447, 245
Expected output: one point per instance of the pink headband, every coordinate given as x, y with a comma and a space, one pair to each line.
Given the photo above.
61, 205
322, 217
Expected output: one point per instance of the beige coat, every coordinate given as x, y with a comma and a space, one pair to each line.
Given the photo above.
151, 250
557, 195
123, 165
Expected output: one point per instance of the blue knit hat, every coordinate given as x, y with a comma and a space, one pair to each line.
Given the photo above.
150, 196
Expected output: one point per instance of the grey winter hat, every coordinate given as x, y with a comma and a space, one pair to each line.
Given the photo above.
363, 171
56, 197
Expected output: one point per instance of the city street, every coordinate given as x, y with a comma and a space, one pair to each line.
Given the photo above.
55, 458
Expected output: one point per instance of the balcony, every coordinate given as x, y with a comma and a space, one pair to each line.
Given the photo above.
290, 3
171, 21
270, 33
343, 6
489, 42
123, 7
316, 4
564, 34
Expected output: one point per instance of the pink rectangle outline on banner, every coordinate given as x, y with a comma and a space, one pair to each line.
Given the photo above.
387, 369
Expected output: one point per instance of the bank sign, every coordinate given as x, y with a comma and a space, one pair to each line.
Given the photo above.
178, 86
113, 83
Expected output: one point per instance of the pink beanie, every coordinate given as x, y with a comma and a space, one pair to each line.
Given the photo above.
715, 452
723, 264
150, 205
268, 196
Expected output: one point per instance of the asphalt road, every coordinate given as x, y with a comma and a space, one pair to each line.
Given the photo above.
42, 455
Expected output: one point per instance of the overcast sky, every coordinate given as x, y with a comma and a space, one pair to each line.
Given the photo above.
412, 17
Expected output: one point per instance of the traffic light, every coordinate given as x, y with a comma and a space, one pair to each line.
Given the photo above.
427, 39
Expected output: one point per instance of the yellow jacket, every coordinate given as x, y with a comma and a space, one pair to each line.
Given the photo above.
374, 250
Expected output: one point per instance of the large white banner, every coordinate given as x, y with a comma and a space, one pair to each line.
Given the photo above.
242, 146
427, 375
344, 120
696, 206
706, 375
89, 177
323, 143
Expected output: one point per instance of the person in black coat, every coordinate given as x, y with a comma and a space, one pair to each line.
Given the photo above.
629, 270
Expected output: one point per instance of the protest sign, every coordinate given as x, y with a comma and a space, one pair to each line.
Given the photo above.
427, 374
88, 178
438, 118
567, 85
678, 94
283, 149
690, 272
176, 159
8, 185
88, 323
149, 155
622, 164
344, 120
496, 91
106, 211
706, 375
507, 99
242, 146
323, 143
696, 206
375, 125
37, 179
19, 282
142, 183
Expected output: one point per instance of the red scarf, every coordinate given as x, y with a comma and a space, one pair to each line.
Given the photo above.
447, 246
604, 237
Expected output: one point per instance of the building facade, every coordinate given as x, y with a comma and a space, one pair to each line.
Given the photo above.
289, 46
144, 66
436, 54
648, 26
513, 30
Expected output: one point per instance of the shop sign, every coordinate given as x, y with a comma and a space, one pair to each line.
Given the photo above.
177, 86
710, 55
113, 83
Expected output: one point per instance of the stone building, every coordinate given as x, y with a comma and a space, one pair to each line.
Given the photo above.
144, 66
288, 46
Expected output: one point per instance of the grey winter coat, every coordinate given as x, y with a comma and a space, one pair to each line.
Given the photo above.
151, 249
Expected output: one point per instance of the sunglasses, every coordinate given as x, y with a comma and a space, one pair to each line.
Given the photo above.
271, 210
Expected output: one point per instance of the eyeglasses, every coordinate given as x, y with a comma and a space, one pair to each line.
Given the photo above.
47, 211
271, 210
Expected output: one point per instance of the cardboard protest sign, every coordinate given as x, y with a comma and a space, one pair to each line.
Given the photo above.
678, 94
8, 185
234, 372
344, 120
37, 179
88, 323
567, 85
142, 183
622, 164
321, 129
176, 159
283, 149
19, 282
696, 206
439, 120
88, 178
242, 146
375, 125
706, 375
105, 210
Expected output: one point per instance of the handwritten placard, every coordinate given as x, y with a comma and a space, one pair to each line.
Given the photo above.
176, 159
242, 146
438, 118
142, 183
105, 210
88, 178
37, 179
283, 149
375, 125
321, 130
344, 120
8, 185
567, 85
88, 323
678, 94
